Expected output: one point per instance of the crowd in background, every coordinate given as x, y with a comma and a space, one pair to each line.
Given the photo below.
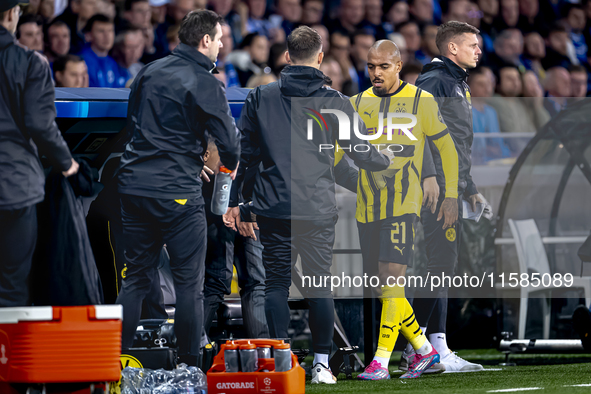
531, 48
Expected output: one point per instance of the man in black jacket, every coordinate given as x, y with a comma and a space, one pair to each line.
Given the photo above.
445, 78
27, 129
173, 102
294, 192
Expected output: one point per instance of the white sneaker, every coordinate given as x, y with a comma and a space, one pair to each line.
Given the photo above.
407, 358
451, 362
321, 374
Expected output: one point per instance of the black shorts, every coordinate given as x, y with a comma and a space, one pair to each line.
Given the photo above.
389, 240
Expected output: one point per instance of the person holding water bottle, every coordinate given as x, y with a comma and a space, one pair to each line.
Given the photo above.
175, 103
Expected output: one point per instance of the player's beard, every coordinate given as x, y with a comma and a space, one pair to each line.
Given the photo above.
383, 91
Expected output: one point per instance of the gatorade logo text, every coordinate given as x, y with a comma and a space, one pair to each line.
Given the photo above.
235, 385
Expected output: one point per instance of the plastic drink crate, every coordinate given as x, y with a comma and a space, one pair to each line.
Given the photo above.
60, 344
289, 382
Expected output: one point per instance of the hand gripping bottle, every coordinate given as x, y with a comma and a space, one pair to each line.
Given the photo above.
221, 192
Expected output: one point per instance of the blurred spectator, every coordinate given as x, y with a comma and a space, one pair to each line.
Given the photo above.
331, 68
287, 14
229, 77
576, 21
362, 42
351, 13
312, 11
509, 14
340, 48
70, 72
103, 70
484, 119
558, 87
127, 52
158, 9
490, 11
172, 37
32, 7
137, 15
258, 80
29, 32
398, 13
252, 58
509, 107
107, 8
224, 8
255, 21
325, 35
400, 42
455, 10
421, 10
530, 19
556, 48
47, 10
508, 50
534, 52
578, 81
58, 40
76, 16
412, 36
373, 19
428, 46
177, 10
277, 59
410, 72
534, 101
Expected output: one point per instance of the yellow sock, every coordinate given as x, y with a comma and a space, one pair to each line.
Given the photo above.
392, 310
410, 327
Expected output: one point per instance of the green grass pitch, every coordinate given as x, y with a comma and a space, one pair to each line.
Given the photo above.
534, 373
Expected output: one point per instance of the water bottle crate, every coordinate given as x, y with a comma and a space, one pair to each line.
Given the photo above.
265, 380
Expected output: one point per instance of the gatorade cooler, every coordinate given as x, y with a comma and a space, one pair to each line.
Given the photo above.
60, 344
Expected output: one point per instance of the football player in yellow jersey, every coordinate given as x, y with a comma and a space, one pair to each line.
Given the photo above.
389, 201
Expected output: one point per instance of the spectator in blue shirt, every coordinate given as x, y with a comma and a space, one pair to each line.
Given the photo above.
485, 118
576, 20
103, 70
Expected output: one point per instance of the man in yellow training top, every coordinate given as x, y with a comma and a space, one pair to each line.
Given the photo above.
389, 202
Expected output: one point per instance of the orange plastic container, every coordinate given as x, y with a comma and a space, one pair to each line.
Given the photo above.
60, 344
289, 382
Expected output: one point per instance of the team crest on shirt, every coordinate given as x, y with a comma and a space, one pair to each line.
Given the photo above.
469, 96
401, 108
450, 234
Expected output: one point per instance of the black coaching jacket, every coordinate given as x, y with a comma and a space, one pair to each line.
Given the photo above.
296, 179
27, 125
173, 102
446, 81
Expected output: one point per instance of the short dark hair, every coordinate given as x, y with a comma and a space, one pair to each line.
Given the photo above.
57, 23
196, 24
100, 18
576, 68
411, 68
129, 4
361, 32
61, 62
303, 44
28, 18
449, 30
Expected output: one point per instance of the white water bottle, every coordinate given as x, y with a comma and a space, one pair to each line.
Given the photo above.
221, 192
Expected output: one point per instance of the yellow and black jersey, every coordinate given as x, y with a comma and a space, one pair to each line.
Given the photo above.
397, 190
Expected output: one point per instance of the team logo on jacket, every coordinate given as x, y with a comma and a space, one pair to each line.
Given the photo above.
450, 234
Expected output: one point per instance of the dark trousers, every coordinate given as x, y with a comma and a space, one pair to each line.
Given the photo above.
18, 237
442, 254
148, 224
283, 240
225, 249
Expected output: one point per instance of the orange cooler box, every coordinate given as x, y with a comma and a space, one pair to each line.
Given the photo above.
60, 344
